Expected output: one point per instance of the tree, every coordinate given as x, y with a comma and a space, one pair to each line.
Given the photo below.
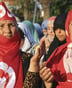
60, 6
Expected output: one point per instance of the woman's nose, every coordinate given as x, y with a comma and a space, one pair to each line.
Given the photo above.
7, 29
59, 31
51, 30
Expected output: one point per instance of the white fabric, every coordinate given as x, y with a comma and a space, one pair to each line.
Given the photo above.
29, 41
26, 45
9, 75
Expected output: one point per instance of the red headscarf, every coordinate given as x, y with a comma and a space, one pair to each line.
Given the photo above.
5, 14
60, 61
10, 60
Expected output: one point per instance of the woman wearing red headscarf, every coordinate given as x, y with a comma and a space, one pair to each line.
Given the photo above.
10, 59
60, 62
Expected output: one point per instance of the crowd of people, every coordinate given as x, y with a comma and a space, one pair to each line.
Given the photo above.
34, 55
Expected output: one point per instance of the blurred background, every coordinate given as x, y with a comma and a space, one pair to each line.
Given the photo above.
38, 10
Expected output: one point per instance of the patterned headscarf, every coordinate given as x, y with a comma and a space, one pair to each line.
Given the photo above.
51, 20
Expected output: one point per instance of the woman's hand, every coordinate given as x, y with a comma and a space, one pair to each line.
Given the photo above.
34, 62
46, 75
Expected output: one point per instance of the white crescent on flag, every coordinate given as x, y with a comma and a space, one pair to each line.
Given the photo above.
7, 76
2, 11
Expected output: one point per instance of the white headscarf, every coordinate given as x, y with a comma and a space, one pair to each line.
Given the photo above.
29, 41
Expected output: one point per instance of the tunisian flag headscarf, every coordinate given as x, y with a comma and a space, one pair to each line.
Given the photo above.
60, 61
10, 59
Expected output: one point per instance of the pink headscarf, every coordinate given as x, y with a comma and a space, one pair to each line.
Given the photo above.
51, 20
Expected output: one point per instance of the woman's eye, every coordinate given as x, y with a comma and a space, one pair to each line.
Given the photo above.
12, 25
1, 26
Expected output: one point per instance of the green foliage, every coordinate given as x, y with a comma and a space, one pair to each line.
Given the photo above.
31, 6
39, 20
60, 6
69, 7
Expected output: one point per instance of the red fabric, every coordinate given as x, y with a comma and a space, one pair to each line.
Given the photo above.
60, 61
52, 18
10, 62
5, 14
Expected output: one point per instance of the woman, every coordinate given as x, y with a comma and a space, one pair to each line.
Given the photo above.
38, 28
34, 68
44, 27
49, 37
10, 59
60, 61
29, 41
32, 78
26, 44
32, 30
60, 37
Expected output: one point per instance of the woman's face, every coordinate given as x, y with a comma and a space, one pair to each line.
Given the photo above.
44, 31
70, 30
50, 30
60, 34
8, 28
